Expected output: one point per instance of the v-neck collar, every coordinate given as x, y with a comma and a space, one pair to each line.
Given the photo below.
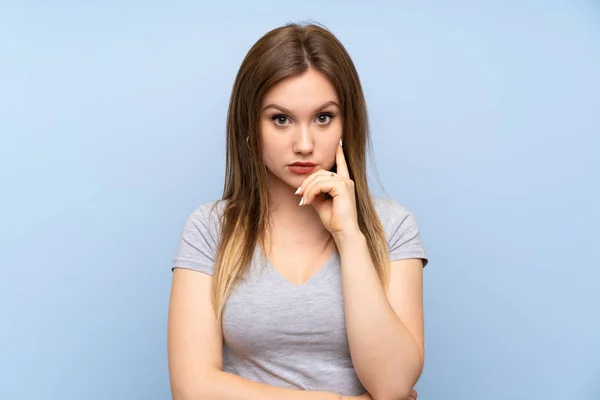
315, 277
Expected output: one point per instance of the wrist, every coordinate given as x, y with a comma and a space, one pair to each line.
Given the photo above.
348, 237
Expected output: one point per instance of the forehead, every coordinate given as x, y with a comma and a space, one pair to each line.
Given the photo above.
306, 91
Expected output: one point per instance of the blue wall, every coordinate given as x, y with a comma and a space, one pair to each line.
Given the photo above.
486, 124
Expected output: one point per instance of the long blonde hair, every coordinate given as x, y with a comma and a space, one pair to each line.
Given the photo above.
283, 52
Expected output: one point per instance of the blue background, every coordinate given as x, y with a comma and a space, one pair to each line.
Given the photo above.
485, 119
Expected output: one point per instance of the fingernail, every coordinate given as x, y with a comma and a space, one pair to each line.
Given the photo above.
301, 201
341, 143
298, 190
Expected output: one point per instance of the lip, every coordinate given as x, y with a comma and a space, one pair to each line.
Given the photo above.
302, 168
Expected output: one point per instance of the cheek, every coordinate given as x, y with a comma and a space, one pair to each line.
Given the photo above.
330, 142
271, 144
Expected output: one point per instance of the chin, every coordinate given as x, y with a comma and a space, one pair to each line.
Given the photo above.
286, 178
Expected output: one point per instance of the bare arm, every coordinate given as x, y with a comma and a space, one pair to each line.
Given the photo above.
195, 350
385, 331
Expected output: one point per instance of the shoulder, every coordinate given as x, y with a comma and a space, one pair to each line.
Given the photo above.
401, 230
200, 237
210, 208
208, 213
390, 211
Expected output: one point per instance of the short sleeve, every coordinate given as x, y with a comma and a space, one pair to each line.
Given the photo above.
402, 232
197, 247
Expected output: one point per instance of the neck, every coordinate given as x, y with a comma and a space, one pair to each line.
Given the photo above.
286, 213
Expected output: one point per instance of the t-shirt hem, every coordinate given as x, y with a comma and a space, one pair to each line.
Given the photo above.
200, 268
404, 255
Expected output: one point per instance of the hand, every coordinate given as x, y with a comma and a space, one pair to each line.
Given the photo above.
366, 396
337, 214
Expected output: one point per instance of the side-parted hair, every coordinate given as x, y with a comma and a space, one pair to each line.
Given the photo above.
281, 53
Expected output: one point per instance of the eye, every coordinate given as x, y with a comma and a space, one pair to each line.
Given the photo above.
280, 119
324, 118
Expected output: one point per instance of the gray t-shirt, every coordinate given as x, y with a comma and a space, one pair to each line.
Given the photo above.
280, 333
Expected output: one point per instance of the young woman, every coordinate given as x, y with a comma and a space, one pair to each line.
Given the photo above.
297, 284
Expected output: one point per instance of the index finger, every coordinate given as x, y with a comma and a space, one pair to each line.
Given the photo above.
340, 161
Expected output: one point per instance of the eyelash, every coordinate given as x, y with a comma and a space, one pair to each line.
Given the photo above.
275, 117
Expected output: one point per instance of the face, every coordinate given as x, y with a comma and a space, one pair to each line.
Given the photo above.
301, 122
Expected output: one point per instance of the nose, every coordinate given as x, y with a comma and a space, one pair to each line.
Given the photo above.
303, 142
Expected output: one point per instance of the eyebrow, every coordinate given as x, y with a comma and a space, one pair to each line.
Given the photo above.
285, 110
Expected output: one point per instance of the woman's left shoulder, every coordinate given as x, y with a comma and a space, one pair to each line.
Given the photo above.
390, 210
401, 230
